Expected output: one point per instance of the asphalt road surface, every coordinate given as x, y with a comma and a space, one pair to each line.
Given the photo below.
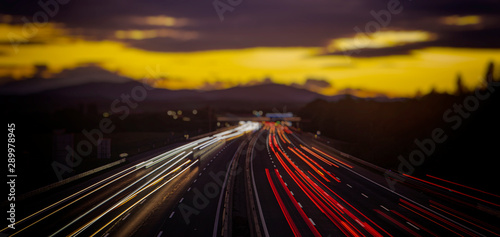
258, 180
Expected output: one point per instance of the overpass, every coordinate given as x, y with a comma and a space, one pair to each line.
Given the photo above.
270, 117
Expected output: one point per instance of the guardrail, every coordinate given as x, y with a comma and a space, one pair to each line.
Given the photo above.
227, 216
252, 210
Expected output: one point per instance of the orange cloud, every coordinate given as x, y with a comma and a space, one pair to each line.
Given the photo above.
461, 20
420, 70
155, 33
379, 39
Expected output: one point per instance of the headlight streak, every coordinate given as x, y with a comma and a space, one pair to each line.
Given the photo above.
69, 197
133, 169
149, 183
167, 154
140, 200
93, 188
166, 169
116, 194
240, 130
246, 127
123, 200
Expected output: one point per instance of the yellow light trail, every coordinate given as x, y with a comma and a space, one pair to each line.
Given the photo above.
61, 208
133, 205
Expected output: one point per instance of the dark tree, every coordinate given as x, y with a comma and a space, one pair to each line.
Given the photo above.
461, 89
489, 72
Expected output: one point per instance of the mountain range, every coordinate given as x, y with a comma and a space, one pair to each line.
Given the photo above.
104, 87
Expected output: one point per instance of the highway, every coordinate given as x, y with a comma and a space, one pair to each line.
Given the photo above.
123, 200
259, 179
315, 190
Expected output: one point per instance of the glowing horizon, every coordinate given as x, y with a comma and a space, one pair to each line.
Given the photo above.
419, 71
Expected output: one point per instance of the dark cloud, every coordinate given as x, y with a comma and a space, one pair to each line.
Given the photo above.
454, 7
315, 85
458, 39
262, 23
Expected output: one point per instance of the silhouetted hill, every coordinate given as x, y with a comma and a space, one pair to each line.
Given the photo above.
66, 78
257, 93
104, 93
264, 93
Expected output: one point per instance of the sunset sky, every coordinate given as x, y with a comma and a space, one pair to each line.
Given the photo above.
328, 46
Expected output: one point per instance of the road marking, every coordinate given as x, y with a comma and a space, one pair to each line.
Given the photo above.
205, 168
159, 234
199, 174
300, 205
142, 201
364, 195
172, 214
189, 189
404, 197
125, 217
106, 235
182, 199
292, 193
312, 221
195, 180
385, 208
412, 225
348, 185
263, 221
286, 184
359, 222
217, 213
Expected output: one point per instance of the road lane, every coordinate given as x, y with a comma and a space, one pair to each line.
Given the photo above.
299, 186
86, 206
